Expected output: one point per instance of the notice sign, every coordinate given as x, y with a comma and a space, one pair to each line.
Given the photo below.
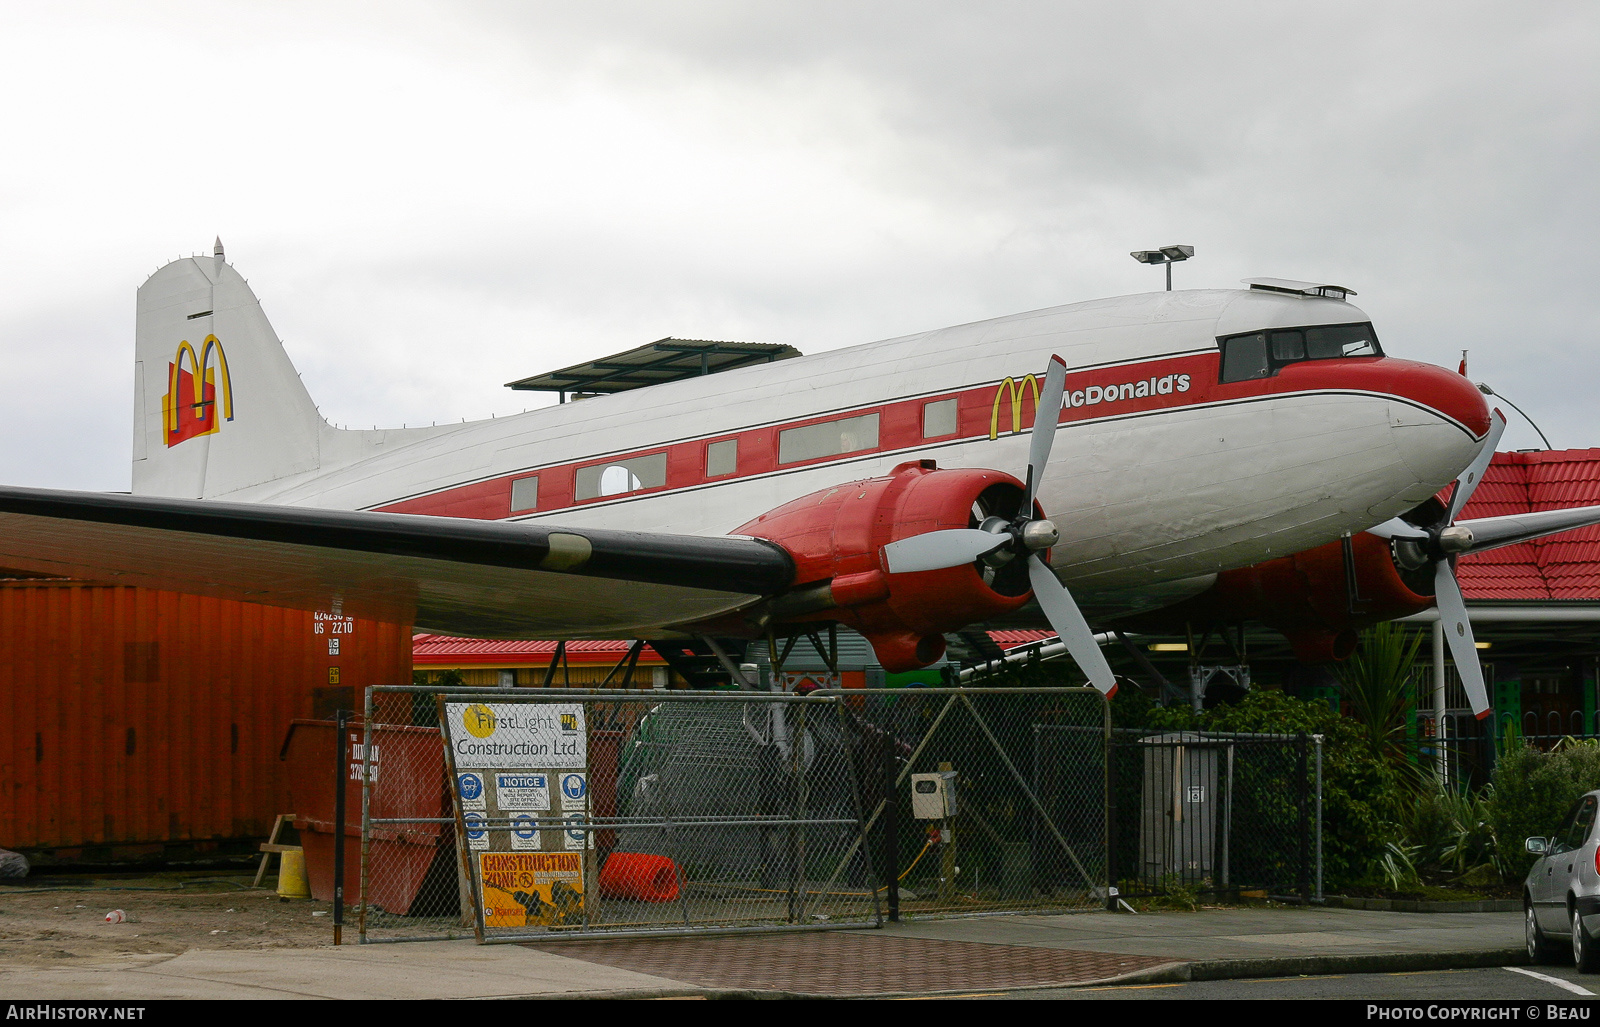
470, 787
524, 833
529, 791
574, 791
517, 736
525, 889
477, 826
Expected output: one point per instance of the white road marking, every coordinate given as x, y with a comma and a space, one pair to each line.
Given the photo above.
1558, 982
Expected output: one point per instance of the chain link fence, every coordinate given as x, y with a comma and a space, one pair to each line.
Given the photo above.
985, 799
1206, 812
683, 811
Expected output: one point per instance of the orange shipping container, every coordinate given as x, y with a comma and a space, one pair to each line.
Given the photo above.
136, 723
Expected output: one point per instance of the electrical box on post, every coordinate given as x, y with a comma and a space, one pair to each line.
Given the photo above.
933, 796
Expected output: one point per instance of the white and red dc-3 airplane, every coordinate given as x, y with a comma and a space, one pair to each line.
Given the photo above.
1216, 455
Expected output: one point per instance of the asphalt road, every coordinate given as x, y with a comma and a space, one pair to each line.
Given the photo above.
1494, 984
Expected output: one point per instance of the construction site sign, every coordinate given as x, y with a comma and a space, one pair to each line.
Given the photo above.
527, 889
517, 736
521, 772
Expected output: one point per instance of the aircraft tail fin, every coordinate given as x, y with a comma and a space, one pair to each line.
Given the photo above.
218, 405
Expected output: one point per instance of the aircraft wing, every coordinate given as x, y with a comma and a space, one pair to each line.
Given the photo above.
486, 579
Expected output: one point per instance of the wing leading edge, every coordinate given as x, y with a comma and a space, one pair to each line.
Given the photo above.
451, 575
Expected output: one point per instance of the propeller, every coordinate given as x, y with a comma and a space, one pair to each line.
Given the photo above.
1440, 545
998, 541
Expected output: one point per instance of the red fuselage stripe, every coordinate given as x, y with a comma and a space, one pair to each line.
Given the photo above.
982, 411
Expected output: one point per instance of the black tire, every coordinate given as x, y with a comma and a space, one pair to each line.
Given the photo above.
1539, 948
1585, 950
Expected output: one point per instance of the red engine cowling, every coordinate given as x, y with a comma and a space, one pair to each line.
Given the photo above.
837, 535
1318, 599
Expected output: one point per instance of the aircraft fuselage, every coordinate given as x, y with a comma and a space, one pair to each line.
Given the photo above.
1161, 475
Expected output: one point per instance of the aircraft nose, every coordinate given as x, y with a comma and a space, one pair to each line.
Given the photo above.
1437, 418
1440, 391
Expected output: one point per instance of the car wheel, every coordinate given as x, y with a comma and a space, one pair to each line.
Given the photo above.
1538, 948
1585, 952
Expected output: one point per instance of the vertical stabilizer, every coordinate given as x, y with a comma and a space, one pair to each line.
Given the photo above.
218, 406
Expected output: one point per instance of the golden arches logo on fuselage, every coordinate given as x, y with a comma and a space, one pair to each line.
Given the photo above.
1016, 390
189, 407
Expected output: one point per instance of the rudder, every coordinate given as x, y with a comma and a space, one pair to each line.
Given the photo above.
218, 405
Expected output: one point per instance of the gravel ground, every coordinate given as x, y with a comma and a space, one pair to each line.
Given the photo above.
166, 914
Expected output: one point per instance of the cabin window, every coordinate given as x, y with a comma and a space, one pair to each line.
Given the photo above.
830, 438
1263, 354
619, 477
939, 418
524, 494
722, 458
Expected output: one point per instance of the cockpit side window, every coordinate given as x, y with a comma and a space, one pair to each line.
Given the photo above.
1245, 357
1287, 346
1263, 354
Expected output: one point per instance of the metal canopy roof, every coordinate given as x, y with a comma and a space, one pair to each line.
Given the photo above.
665, 360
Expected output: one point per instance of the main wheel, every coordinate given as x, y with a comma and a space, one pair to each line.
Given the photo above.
1539, 950
1585, 951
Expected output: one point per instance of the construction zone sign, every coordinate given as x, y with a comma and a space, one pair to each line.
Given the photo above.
521, 799
531, 889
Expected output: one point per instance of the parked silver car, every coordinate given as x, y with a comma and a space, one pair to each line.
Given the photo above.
1561, 897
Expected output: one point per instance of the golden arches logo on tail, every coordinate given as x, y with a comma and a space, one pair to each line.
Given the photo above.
1016, 391
189, 407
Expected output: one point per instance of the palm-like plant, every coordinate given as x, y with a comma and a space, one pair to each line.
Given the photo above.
1379, 683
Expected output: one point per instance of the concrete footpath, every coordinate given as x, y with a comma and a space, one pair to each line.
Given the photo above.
923, 957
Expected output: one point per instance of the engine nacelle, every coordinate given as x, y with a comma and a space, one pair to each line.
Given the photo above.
836, 537
1317, 599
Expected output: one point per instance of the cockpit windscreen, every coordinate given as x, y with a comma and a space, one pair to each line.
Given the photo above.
1263, 354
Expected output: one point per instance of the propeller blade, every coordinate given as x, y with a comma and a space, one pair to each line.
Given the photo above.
936, 550
1470, 478
1394, 527
1045, 419
1458, 632
1068, 622
1509, 529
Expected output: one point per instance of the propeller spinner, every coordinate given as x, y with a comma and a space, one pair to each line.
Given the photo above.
999, 541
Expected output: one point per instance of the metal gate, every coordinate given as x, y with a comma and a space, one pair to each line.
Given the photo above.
654, 811
1214, 812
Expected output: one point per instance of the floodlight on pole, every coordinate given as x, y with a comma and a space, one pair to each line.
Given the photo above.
1168, 255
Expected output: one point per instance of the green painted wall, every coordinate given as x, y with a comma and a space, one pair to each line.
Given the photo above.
928, 677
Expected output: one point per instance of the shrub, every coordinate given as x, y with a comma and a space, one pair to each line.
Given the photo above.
1450, 837
1533, 790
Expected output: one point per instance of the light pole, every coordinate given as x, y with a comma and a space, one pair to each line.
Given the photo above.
1168, 255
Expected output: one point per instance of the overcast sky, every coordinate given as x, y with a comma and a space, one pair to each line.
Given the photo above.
431, 199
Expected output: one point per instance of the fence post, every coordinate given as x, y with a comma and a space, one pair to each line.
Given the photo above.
1111, 821
1227, 822
1318, 895
891, 830
1305, 834
366, 815
341, 722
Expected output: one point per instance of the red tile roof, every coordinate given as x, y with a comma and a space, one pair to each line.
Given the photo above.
1007, 639
1565, 566
444, 650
